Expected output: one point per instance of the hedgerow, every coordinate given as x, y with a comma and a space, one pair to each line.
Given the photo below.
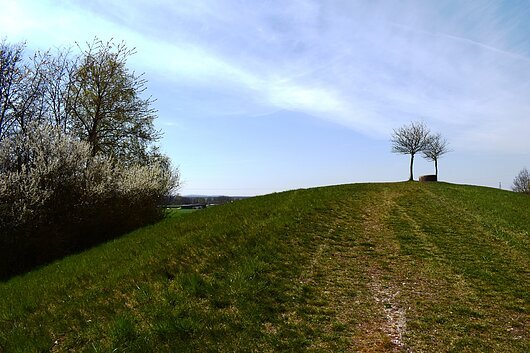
55, 197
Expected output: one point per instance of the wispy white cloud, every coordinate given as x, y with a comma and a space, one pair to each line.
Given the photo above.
462, 67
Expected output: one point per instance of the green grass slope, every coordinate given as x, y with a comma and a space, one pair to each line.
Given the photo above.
404, 267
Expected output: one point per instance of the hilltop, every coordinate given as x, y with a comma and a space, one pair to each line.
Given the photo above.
401, 267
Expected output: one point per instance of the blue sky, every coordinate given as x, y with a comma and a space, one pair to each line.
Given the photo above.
262, 96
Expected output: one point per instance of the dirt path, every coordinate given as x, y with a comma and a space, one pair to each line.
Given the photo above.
352, 301
397, 269
384, 284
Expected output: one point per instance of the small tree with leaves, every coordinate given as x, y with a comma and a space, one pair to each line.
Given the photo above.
436, 146
106, 104
521, 183
410, 139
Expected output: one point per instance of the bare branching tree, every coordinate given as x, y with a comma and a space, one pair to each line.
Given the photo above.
22, 86
410, 139
11, 76
29, 104
92, 95
521, 183
436, 147
57, 70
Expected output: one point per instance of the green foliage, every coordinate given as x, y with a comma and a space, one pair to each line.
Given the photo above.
326, 269
105, 103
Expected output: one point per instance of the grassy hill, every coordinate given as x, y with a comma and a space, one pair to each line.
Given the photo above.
365, 267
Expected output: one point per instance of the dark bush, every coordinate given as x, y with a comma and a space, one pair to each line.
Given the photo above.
55, 198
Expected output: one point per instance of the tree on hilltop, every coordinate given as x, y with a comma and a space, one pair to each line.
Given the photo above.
410, 139
436, 146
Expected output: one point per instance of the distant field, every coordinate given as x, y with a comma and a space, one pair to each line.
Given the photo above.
173, 212
403, 267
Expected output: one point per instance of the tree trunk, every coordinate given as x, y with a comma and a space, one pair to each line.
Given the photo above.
411, 178
93, 140
436, 167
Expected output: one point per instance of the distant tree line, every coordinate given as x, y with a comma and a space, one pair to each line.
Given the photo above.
78, 156
417, 138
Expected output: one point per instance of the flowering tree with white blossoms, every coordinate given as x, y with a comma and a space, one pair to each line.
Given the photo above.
78, 160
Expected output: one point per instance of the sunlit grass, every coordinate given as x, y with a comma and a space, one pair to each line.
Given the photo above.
318, 270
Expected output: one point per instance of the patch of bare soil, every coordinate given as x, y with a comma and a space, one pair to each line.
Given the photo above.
396, 323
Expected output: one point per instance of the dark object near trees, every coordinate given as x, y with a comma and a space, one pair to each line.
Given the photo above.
426, 178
